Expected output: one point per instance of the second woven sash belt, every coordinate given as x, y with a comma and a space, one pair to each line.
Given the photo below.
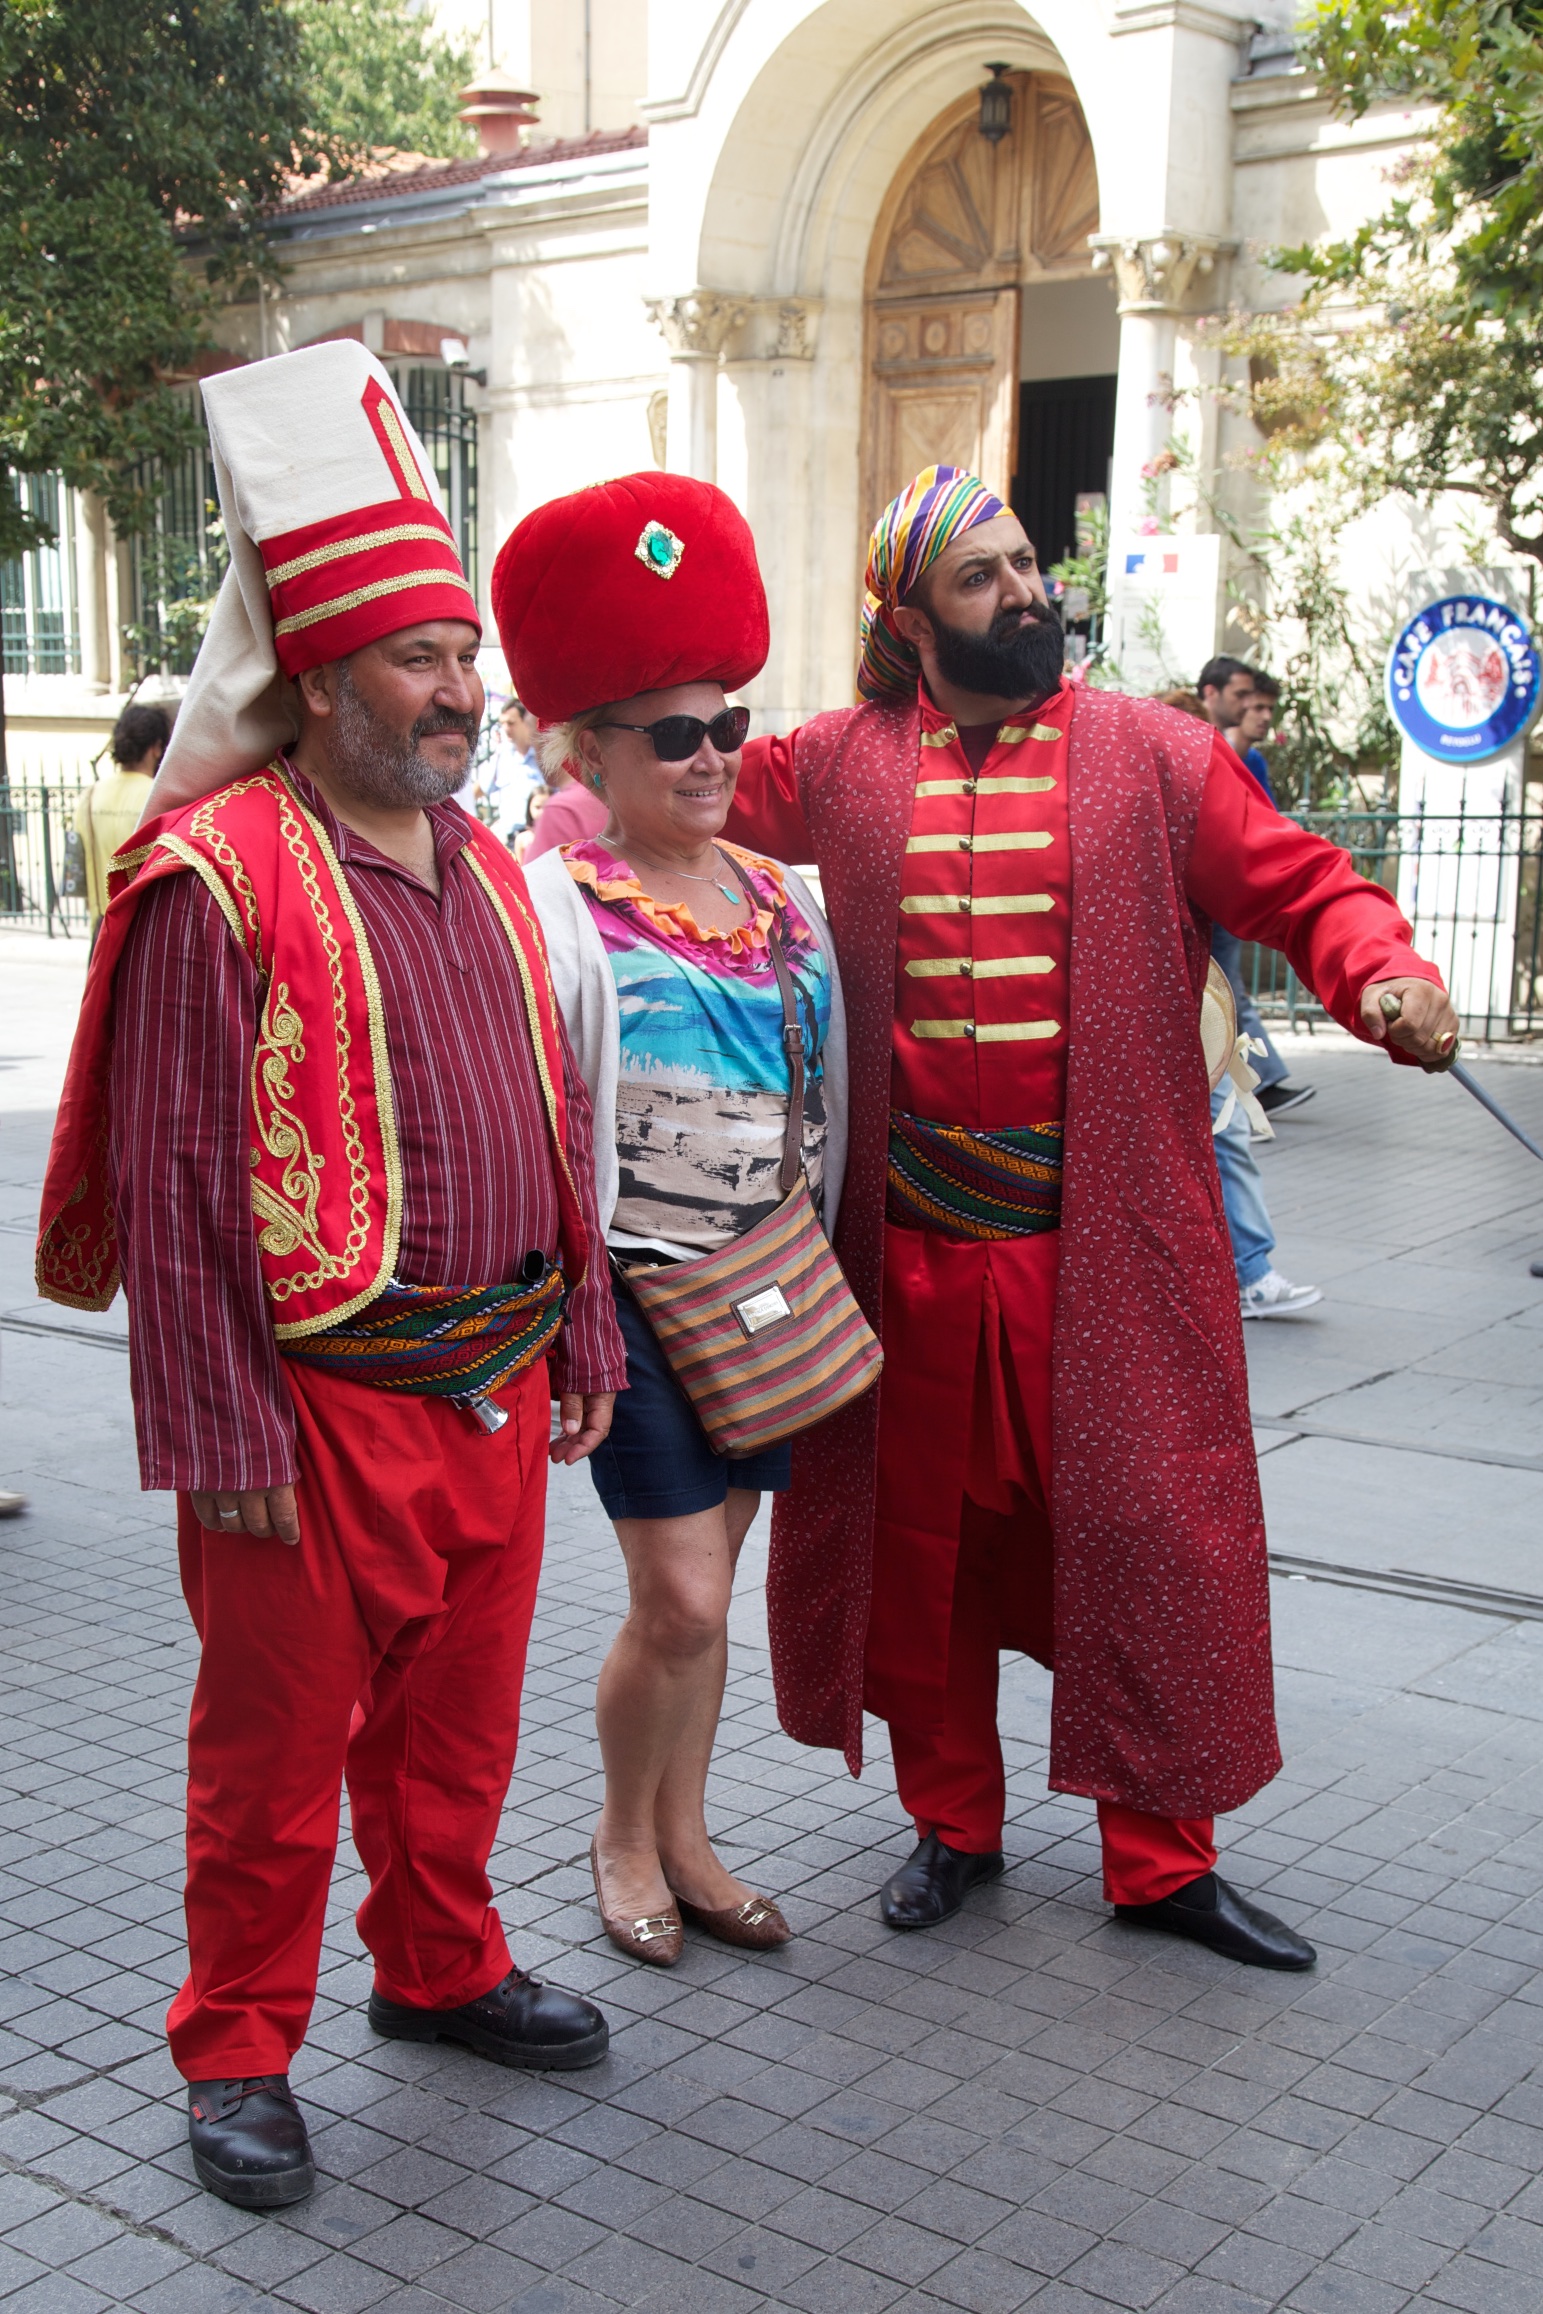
1005, 1183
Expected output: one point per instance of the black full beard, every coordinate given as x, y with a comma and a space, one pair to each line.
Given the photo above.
1017, 658
379, 766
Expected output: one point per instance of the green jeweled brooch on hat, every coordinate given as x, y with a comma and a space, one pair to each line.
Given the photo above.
659, 550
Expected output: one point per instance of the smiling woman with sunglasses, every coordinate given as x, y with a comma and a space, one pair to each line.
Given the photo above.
626, 613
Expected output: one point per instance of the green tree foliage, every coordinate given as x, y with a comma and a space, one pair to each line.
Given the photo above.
1481, 61
382, 78
1415, 356
1441, 381
126, 122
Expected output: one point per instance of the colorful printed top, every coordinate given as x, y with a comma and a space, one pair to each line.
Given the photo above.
702, 1103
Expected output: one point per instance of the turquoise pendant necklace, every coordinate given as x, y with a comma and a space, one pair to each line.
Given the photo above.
686, 876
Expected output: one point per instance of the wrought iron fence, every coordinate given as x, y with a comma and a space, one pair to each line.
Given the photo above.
1470, 883
36, 818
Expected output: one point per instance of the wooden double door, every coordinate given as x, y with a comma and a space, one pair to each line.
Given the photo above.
967, 225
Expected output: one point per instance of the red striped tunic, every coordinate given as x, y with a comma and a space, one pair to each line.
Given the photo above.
477, 1193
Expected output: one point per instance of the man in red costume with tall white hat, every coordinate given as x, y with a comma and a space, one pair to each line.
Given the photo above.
322, 1120
1021, 877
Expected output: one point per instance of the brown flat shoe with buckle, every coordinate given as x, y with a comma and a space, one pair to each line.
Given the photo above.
657, 1938
756, 1924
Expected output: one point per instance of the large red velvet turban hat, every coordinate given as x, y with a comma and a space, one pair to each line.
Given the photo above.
629, 586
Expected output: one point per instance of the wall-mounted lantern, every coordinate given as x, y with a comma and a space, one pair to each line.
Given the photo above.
996, 105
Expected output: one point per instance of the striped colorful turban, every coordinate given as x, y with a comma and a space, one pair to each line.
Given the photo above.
909, 535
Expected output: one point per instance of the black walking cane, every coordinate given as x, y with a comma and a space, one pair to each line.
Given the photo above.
1391, 1005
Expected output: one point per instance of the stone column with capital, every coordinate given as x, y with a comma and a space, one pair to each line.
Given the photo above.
766, 462
92, 553
1158, 277
695, 328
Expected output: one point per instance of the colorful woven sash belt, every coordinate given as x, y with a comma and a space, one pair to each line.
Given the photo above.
442, 1341
1006, 1183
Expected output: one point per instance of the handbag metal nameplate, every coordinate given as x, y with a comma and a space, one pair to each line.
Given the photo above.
758, 1311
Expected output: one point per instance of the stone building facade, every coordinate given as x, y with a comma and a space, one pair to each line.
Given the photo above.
768, 242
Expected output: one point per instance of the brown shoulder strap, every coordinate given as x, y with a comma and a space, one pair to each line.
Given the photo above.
792, 1039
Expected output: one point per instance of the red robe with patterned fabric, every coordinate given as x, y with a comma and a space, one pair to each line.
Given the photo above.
1163, 1690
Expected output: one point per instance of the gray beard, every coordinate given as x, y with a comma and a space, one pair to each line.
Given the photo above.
375, 764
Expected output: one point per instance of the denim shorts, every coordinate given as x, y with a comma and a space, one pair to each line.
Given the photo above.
657, 1463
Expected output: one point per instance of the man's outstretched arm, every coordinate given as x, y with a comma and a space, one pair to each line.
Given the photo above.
1267, 879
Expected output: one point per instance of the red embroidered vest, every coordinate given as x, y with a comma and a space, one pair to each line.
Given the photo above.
982, 961
326, 1173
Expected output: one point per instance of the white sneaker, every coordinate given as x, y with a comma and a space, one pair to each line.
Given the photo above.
1273, 1296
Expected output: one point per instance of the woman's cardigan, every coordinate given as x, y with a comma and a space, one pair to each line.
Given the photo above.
586, 997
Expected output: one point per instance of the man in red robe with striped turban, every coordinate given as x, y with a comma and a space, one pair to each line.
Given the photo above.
322, 1118
1021, 875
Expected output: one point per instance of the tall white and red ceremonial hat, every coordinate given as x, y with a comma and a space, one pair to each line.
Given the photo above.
336, 535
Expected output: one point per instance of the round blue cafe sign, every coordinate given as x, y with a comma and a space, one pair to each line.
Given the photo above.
1463, 678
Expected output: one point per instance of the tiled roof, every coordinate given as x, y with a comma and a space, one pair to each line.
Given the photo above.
410, 175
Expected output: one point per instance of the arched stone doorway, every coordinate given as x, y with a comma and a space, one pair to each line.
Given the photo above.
991, 342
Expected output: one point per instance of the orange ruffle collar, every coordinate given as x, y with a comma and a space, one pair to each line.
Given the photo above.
673, 918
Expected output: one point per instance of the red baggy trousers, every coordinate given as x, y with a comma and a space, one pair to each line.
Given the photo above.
964, 1540
408, 1596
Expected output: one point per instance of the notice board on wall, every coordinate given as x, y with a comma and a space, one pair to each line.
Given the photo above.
1163, 602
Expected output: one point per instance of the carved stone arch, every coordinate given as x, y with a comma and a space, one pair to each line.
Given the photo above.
1063, 198
966, 224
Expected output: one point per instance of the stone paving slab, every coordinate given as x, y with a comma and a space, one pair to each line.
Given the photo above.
1033, 2105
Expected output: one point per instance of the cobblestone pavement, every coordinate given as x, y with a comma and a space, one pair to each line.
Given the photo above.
1032, 2105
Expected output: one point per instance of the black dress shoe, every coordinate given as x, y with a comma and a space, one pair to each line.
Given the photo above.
932, 1883
518, 2023
249, 2142
1210, 1912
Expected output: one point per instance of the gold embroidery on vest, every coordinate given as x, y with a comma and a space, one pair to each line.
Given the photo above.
286, 1226
214, 884
294, 821
204, 824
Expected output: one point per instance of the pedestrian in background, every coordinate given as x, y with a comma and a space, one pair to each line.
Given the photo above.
571, 815
521, 841
1254, 726
1239, 701
110, 809
512, 774
1262, 1290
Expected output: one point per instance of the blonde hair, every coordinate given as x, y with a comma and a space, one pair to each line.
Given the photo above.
558, 747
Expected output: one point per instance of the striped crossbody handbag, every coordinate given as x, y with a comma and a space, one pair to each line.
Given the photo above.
764, 1336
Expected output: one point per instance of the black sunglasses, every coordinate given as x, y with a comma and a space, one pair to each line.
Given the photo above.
676, 738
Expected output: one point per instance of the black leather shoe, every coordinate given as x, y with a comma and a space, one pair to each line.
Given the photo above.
518, 2023
1210, 1912
932, 1883
249, 2142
